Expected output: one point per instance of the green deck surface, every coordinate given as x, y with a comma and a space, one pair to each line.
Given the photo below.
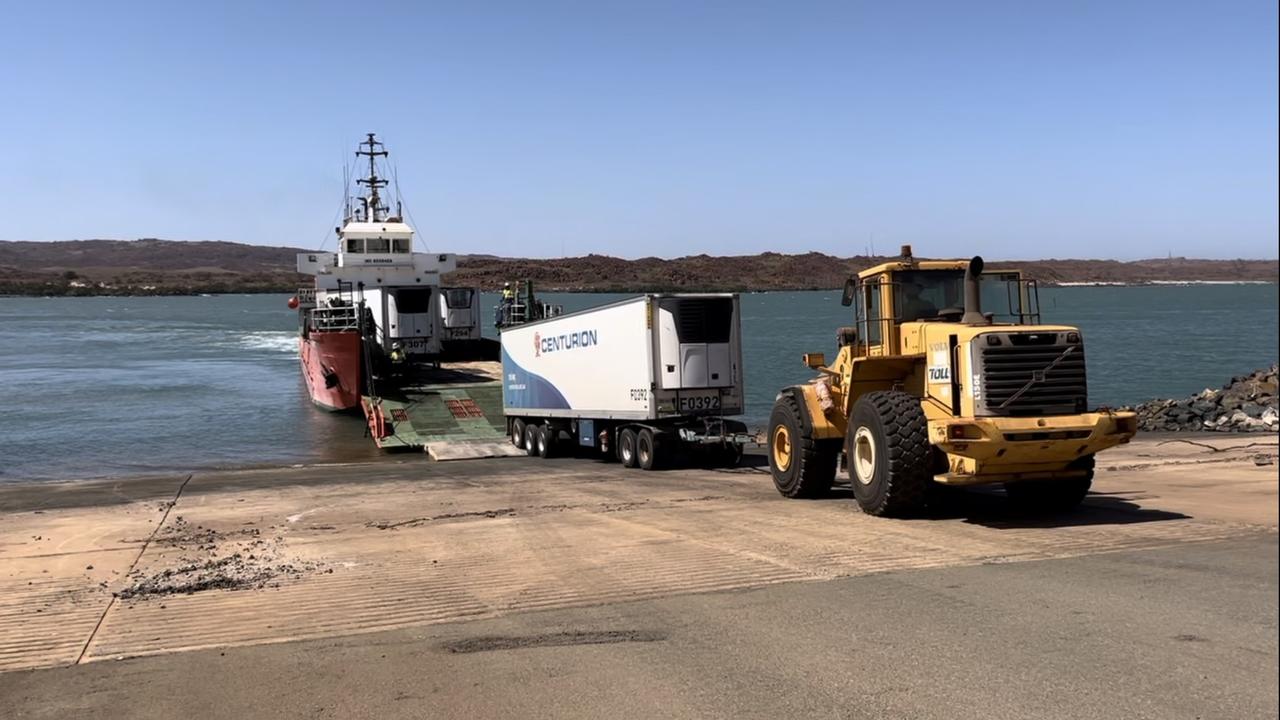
445, 406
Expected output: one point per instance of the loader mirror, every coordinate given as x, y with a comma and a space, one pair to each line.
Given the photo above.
850, 288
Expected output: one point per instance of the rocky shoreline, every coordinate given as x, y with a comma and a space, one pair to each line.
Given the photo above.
1247, 403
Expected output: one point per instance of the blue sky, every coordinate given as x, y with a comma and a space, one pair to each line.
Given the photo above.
1012, 129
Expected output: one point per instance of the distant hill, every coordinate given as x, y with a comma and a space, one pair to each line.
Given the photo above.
166, 267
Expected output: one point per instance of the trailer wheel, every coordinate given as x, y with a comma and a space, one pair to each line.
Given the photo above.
627, 447
517, 433
546, 441
646, 449
1053, 495
887, 447
801, 466
531, 439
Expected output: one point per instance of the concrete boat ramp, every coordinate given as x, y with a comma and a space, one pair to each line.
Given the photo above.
527, 553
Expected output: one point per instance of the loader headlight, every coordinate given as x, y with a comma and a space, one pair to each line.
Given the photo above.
1126, 425
994, 340
964, 431
1073, 337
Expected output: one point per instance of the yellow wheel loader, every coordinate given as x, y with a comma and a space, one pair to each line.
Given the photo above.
946, 378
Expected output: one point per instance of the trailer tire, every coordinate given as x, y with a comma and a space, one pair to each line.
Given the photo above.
517, 433
888, 451
627, 447
546, 441
646, 450
801, 466
1049, 496
531, 439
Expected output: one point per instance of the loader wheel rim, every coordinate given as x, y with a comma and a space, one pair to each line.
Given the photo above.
782, 447
864, 456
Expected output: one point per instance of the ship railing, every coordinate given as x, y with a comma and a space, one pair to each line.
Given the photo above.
307, 296
519, 312
334, 319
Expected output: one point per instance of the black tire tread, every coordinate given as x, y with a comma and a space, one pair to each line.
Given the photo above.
647, 435
906, 439
517, 424
625, 432
817, 458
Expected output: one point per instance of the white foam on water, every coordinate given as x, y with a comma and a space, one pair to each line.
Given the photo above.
273, 341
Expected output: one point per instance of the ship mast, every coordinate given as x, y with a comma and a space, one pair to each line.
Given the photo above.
373, 208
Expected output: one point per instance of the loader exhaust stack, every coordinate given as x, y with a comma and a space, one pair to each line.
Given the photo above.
973, 294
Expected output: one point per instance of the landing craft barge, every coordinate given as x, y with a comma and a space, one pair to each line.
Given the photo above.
378, 332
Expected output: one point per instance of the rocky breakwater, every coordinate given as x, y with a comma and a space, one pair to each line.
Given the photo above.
1246, 404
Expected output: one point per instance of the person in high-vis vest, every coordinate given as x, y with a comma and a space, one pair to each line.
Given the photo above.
508, 299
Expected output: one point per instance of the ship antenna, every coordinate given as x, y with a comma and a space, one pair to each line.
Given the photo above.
373, 203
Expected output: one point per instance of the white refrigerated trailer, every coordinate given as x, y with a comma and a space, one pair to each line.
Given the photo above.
643, 379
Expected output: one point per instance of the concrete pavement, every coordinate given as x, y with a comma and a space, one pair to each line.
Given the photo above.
570, 588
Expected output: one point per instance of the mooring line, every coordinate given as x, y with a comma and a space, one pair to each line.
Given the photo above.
146, 544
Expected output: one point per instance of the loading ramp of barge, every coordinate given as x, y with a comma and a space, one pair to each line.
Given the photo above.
453, 412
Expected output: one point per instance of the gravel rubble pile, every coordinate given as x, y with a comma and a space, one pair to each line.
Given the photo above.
211, 560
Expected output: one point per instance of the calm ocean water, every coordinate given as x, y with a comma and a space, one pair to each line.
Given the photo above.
111, 386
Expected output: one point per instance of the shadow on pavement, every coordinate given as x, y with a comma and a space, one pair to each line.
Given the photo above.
990, 507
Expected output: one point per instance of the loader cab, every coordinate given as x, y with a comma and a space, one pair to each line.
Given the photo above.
890, 295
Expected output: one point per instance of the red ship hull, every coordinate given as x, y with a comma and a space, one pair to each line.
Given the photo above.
331, 366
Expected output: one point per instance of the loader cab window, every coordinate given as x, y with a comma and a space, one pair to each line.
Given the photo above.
870, 314
1003, 297
923, 294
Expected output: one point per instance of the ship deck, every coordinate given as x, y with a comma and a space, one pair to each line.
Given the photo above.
451, 412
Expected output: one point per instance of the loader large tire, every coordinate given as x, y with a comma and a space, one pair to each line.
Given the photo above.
887, 446
802, 467
1049, 496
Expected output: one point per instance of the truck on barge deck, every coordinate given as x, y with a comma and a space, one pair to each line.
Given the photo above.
378, 332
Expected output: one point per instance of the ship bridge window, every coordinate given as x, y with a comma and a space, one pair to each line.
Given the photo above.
377, 245
355, 245
400, 245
